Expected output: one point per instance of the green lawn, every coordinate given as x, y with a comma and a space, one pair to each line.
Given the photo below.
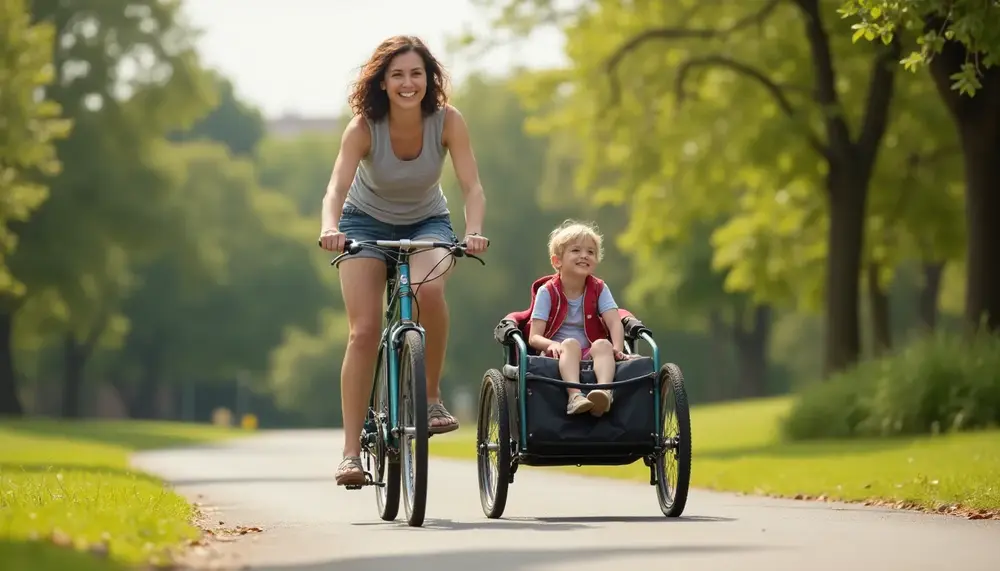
67, 484
736, 448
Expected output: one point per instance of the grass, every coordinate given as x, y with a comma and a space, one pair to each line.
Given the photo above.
737, 448
68, 484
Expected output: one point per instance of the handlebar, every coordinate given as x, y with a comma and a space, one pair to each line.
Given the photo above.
457, 249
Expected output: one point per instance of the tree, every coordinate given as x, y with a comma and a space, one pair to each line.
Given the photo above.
298, 167
111, 152
789, 140
233, 122
960, 44
216, 302
28, 132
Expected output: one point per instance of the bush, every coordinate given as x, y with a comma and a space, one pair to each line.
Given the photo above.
941, 383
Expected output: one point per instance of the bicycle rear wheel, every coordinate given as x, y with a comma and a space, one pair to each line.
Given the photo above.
673, 468
413, 421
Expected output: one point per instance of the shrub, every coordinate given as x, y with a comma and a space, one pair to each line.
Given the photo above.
940, 383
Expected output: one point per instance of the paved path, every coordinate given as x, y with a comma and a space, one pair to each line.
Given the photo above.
282, 482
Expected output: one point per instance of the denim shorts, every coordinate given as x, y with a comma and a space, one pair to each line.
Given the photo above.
359, 225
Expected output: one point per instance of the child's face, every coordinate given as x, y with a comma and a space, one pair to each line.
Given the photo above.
578, 259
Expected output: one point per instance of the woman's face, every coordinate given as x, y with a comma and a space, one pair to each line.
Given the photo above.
406, 80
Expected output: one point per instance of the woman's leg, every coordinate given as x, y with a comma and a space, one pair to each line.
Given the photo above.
429, 272
431, 309
362, 283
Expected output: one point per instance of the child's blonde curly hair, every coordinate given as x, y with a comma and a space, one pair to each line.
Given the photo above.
570, 231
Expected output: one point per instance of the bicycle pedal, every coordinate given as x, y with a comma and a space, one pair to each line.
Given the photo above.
366, 484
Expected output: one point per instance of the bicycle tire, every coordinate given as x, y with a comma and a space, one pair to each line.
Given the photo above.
493, 491
672, 504
387, 469
413, 411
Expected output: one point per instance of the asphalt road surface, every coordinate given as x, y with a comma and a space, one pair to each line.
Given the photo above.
283, 482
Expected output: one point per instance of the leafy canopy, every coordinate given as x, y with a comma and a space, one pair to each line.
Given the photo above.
973, 23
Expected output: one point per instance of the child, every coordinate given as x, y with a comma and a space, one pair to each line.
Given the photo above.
585, 316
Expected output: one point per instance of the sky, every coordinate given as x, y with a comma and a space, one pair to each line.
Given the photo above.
300, 56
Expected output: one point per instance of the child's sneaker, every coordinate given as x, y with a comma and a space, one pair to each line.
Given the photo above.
578, 404
600, 400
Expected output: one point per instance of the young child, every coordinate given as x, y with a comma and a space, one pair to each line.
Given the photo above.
575, 317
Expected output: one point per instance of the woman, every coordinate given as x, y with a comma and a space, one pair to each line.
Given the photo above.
386, 185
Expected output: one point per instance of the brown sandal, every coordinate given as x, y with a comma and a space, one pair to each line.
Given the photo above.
437, 411
350, 471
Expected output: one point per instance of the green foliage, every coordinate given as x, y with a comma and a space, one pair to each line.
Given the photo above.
916, 202
692, 116
29, 128
932, 23
658, 128
215, 303
305, 370
119, 121
941, 383
298, 167
236, 124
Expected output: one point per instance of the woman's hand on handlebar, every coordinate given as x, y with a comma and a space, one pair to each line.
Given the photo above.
332, 239
474, 243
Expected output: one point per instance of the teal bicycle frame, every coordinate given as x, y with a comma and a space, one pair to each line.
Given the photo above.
399, 316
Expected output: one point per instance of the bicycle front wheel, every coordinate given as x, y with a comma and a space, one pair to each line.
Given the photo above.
413, 421
386, 466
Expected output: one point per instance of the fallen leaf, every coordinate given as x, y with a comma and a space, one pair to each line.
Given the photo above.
60, 538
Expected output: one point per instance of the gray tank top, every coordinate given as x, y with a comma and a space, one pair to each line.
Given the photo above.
395, 191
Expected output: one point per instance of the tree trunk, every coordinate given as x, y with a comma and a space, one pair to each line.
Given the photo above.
751, 350
881, 318
933, 271
977, 119
74, 359
719, 334
144, 405
843, 267
982, 211
851, 162
10, 401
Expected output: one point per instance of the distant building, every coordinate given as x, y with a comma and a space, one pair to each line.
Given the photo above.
292, 125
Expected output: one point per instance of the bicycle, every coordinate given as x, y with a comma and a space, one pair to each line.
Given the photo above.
399, 387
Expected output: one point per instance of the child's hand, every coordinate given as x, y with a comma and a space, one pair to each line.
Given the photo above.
620, 356
554, 350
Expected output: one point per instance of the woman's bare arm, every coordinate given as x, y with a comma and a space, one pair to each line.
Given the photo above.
354, 145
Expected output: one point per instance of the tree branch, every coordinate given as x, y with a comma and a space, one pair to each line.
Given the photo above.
881, 88
838, 135
637, 41
773, 88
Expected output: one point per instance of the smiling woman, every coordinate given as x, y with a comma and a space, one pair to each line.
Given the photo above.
386, 185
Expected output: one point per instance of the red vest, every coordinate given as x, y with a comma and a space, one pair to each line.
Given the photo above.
592, 322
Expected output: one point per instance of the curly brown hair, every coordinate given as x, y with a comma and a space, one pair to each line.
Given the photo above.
371, 101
